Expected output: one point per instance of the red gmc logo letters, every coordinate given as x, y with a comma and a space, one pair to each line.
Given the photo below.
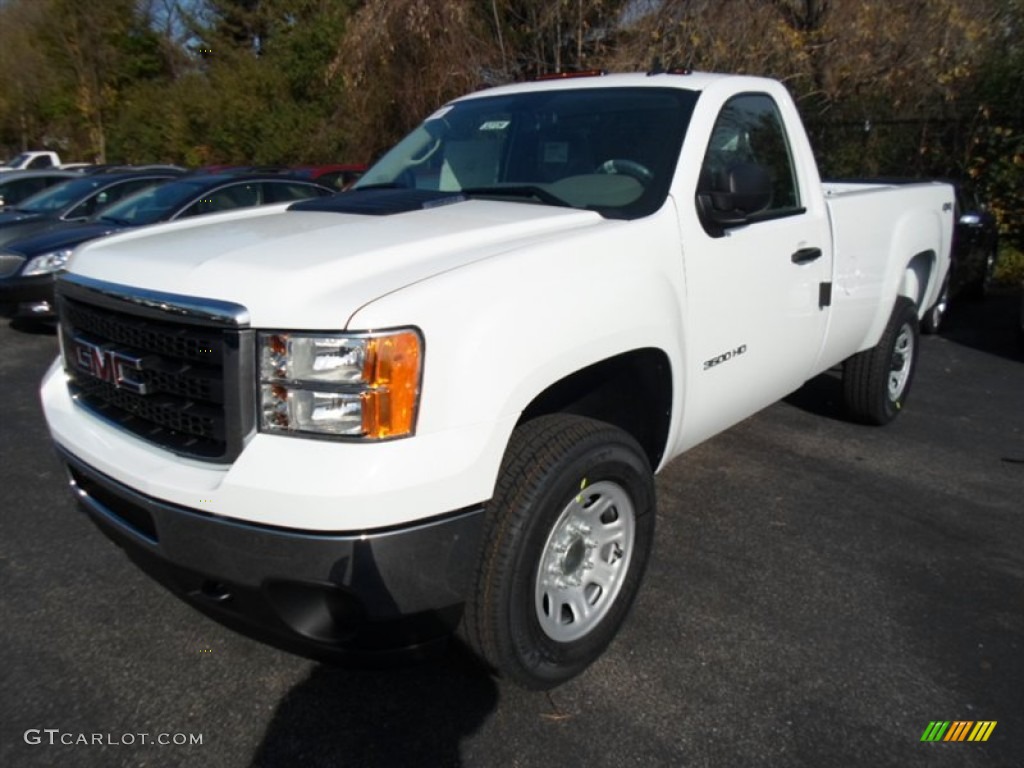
107, 365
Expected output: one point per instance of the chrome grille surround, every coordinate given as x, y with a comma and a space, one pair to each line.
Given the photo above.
188, 383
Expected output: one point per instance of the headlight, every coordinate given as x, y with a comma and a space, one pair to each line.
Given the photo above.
360, 385
54, 261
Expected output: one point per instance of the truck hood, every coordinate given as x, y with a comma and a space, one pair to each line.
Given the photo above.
315, 269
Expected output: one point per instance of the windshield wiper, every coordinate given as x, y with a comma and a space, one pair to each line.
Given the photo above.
114, 220
518, 190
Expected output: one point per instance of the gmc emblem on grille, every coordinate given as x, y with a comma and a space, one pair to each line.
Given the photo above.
109, 365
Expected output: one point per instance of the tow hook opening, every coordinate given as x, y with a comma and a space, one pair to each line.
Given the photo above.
320, 611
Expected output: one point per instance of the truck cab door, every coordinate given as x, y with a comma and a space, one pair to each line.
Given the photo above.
757, 290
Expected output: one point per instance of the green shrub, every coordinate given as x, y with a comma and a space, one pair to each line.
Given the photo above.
1010, 266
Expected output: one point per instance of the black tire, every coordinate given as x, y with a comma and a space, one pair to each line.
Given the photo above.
568, 486
876, 382
933, 318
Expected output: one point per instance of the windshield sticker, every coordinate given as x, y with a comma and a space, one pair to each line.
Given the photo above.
439, 114
495, 125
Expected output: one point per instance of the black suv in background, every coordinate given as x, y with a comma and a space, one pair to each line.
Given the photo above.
975, 246
973, 258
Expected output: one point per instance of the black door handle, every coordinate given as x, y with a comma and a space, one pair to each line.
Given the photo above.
805, 255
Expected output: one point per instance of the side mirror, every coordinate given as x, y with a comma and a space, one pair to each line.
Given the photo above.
738, 193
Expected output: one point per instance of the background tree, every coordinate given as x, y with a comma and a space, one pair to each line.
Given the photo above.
560, 35
98, 50
903, 87
260, 90
28, 80
400, 60
993, 120
859, 65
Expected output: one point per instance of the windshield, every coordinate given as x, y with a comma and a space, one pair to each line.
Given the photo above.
612, 150
153, 203
15, 161
60, 196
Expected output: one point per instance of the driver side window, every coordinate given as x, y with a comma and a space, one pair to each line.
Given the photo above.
749, 130
243, 195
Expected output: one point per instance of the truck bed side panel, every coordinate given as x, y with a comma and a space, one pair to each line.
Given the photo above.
877, 231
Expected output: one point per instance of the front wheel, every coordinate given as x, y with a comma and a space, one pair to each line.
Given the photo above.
566, 543
876, 382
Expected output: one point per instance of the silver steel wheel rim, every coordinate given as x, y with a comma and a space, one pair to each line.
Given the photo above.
902, 359
585, 561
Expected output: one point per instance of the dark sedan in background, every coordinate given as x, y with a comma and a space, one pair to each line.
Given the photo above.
74, 200
28, 266
16, 186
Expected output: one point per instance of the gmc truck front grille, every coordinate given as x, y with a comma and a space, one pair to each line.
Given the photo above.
173, 370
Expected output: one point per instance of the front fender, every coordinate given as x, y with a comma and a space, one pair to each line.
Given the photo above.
501, 330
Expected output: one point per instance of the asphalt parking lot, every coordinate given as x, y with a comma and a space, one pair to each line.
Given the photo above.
819, 593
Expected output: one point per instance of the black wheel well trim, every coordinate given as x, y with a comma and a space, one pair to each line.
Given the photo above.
631, 390
924, 265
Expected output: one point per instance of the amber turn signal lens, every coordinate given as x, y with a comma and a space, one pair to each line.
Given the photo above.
392, 374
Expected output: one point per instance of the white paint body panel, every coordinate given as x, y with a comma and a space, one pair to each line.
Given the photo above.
27, 158
510, 298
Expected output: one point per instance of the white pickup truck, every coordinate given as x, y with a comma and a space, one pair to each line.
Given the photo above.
35, 160
437, 401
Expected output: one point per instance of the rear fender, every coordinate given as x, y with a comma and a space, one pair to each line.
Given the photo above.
915, 269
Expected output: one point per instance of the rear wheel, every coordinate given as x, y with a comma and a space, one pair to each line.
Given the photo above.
567, 539
876, 382
934, 317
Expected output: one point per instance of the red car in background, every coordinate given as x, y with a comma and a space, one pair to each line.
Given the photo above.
337, 176
340, 176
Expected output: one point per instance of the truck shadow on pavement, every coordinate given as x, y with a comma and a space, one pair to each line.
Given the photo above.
398, 716
33, 327
988, 326
821, 396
